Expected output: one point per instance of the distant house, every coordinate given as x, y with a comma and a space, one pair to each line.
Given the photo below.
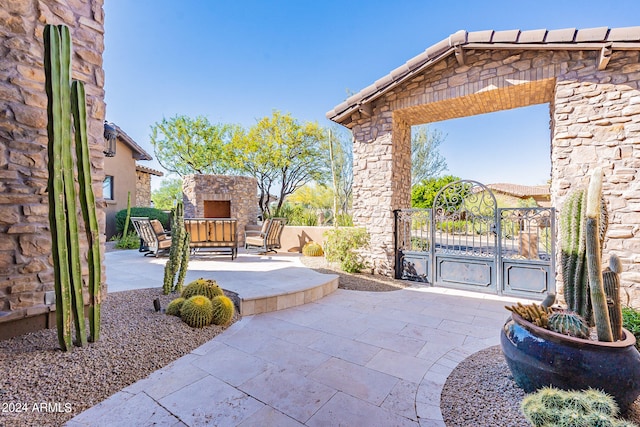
513, 194
123, 175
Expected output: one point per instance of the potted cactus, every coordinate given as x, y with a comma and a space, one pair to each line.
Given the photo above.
544, 346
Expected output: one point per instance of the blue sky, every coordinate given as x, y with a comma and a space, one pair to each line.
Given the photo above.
235, 61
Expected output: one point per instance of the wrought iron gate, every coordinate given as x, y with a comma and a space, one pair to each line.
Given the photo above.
465, 241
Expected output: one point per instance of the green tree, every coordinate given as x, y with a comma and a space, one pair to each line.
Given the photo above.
282, 154
423, 194
341, 145
426, 160
184, 145
165, 196
316, 196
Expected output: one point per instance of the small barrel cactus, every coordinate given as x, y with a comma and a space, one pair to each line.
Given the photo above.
207, 287
312, 249
223, 310
569, 323
197, 311
173, 308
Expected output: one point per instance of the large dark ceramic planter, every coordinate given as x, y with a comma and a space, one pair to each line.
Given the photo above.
539, 357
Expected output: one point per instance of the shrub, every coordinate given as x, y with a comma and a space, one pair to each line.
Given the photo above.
151, 213
344, 220
342, 246
631, 322
130, 241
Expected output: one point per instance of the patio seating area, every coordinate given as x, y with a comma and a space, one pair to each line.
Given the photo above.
349, 358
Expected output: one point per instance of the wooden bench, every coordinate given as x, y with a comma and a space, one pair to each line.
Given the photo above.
218, 235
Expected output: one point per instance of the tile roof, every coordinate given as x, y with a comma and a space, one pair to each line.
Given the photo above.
568, 38
138, 152
521, 190
148, 170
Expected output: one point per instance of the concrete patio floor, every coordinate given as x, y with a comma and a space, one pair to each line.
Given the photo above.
351, 358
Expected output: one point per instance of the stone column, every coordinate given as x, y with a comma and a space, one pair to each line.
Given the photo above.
381, 183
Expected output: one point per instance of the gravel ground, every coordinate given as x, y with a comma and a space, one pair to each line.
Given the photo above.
135, 341
481, 392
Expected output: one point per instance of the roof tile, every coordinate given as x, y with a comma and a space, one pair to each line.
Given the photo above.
480, 36
382, 82
624, 34
561, 36
532, 36
418, 60
509, 36
399, 72
592, 34
459, 37
438, 48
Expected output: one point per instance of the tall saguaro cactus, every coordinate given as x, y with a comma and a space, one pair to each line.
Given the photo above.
62, 192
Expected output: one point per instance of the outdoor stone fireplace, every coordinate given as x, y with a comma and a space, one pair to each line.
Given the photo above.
221, 196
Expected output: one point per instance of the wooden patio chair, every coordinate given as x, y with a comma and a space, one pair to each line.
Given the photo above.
153, 237
268, 239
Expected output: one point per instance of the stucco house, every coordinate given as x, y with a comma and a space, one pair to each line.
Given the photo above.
123, 175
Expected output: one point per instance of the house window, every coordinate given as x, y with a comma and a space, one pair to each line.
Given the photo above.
107, 187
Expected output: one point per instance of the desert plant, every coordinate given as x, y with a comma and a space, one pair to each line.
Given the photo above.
151, 213
611, 282
342, 246
197, 311
173, 308
573, 220
631, 322
534, 313
568, 323
130, 241
207, 287
178, 259
312, 249
66, 109
594, 235
550, 406
223, 310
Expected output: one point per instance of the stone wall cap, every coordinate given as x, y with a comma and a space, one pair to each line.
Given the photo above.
567, 38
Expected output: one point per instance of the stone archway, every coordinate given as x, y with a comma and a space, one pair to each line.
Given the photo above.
590, 78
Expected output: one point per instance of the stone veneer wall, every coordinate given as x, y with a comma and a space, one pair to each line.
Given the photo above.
595, 121
143, 189
26, 271
241, 191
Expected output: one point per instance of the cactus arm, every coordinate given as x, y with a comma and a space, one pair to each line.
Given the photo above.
581, 296
184, 262
57, 214
88, 205
611, 281
69, 188
594, 267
